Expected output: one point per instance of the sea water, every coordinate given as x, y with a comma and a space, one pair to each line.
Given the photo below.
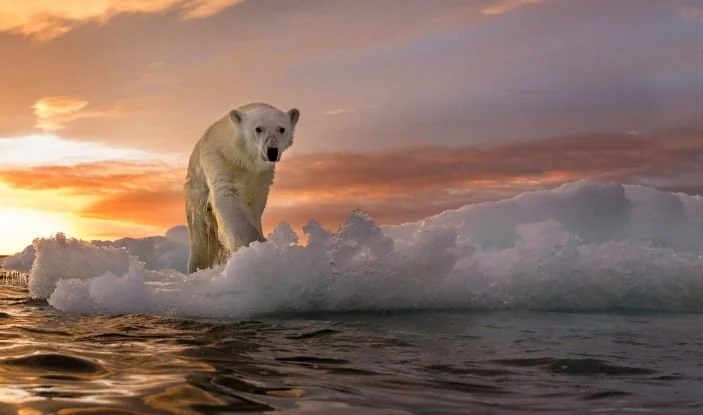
382, 362
586, 298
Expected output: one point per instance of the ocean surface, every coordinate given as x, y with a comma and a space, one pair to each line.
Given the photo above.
586, 298
394, 362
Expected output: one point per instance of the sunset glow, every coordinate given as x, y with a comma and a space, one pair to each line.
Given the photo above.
26, 225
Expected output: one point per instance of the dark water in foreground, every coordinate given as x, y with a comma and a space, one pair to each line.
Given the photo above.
355, 363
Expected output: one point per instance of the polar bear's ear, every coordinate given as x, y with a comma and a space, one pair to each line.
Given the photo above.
236, 116
294, 115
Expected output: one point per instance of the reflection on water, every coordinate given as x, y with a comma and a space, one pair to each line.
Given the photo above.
421, 362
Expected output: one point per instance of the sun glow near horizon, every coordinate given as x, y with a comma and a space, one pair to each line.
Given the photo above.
48, 184
28, 213
20, 226
38, 217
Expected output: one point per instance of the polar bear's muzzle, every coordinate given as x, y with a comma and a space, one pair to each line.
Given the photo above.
272, 154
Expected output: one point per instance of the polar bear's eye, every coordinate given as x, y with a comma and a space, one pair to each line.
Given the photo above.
258, 130
281, 130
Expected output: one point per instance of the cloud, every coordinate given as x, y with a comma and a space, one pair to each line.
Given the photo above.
395, 186
53, 113
22, 151
692, 14
347, 110
50, 111
430, 67
405, 171
338, 111
197, 9
103, 200
97, 178
409, 183
505, 6
687, 10
46, 20
155, 207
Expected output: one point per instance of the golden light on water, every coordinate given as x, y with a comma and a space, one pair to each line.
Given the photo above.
14, 396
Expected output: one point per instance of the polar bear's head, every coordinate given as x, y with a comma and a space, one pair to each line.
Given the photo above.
267, 131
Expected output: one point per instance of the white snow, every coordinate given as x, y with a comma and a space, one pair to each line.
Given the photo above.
156, 252
583, 246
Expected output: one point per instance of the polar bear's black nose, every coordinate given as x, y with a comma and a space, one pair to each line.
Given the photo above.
272, 153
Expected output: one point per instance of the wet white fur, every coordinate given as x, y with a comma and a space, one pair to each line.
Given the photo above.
228, 181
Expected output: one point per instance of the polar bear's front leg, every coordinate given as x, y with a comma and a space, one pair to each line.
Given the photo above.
235, 225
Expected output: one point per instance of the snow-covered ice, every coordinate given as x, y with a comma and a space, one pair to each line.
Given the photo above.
582, 246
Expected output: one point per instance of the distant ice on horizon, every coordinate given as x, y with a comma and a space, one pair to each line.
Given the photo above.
582, 246
156, 252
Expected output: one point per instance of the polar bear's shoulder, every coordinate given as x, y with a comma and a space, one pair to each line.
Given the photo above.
221, 129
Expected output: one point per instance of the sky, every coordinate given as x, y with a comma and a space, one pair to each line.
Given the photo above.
408, 108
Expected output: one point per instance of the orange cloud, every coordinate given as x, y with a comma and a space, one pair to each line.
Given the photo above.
105, 200
53, 113
411, 183
46, 20
115, 199
159, 208
436, 169
100, 178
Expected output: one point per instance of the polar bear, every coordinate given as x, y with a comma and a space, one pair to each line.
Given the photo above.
229, 175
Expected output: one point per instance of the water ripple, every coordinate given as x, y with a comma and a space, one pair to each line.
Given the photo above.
394, 363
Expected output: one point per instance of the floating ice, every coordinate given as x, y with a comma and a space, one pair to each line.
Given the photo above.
59, 258
159, 252
582, 246
21, 261
156, 252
